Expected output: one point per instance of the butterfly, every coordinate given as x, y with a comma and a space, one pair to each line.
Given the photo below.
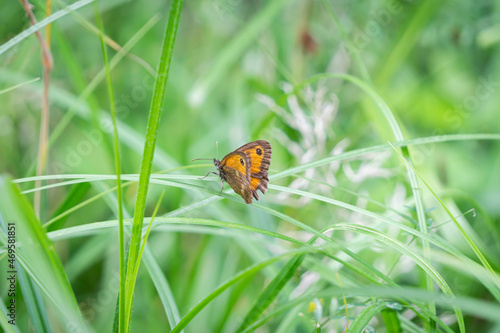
245, 169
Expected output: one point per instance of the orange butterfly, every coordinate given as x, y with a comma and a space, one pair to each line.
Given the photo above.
245, 169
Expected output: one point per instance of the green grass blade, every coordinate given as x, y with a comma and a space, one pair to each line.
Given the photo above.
18, 85
149, 148
247, 273
419, 260
383, 147
156, 274
82, 230
382, 292
408, 39
34, 302
4, 321
391, 320
473, 246
38, 256
163, 288
364, 317
116, 150
31, 295
31, 30
398, 135
139, 257
269, 294
97, 79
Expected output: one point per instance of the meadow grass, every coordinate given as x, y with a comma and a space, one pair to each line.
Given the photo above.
382, 208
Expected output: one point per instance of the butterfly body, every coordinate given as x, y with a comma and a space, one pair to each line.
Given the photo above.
246, 169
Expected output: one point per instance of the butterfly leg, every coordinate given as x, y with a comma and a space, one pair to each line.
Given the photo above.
222, 182
215, 173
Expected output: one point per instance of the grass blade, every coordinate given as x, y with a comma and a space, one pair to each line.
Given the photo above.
149, 148
31, 30
38, 256
362, 320
473, 246
116, 150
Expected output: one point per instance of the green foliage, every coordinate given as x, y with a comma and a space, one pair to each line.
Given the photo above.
382, 209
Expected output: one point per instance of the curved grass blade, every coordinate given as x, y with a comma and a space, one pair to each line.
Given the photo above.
364, 317
398, 135
31, 30
247, 273
38, 256
422, 262
269, 294
473, 246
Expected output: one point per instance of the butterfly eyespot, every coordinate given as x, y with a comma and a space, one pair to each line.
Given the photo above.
241, 161
259, 151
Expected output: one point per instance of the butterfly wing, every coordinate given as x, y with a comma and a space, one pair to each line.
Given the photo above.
259, 154
235, 170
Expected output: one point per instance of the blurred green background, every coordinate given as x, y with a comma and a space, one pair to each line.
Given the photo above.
434, 63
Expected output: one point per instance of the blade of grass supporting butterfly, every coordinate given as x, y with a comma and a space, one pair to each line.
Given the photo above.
149, 148
38, 256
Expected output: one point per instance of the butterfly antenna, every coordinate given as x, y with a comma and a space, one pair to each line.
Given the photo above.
217, 148
202, 159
